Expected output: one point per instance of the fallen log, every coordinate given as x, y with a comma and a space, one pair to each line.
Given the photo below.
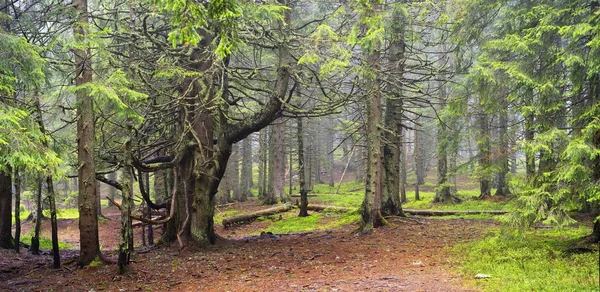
452, 212
254, 215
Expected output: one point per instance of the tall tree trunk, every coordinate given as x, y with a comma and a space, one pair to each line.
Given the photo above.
88, 211
6, 239
301, 172
371, 206
392, 149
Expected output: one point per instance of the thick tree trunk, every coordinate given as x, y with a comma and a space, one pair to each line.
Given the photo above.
301, 173
6, 239
88, 216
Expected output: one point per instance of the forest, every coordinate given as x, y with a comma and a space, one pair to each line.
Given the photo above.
298, 145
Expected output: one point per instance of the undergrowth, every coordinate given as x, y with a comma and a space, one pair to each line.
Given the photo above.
529, 261
45, 243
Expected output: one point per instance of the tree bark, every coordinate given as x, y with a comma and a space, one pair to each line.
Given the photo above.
6, 239
88, 211
371, 206
234, 173
279, 163
246, 174
34, 248
262, 162
392, 149
502, 186
301, 173
126, 238
443, 192
17, 182
483, 147
330, 140
112, 192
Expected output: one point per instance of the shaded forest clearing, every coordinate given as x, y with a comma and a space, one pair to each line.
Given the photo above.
320, 253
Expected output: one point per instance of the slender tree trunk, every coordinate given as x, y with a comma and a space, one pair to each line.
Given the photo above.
483, 146
443, 192
502, 186
262, 158
17, 210
529, 136
53, 222
6, 239
150, 230
330, 139
246, 169
126, 239
112, 192
301, 173
34, 248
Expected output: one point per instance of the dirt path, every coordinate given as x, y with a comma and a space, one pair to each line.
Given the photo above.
405, 256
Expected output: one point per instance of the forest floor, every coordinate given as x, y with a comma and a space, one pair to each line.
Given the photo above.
407, 255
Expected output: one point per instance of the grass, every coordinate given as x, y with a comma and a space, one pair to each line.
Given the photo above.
350, 197
66, 213
45, 243
469, 202
529, 261
316, 221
